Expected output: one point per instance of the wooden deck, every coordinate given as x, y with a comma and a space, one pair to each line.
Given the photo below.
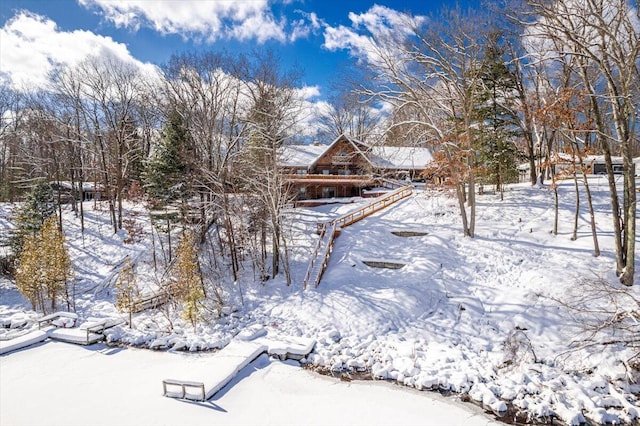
200, 384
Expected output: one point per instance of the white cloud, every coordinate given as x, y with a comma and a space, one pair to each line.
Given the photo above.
309, 23
200, 19
378, 22
33, 45
260, 28
309, 92
342, 37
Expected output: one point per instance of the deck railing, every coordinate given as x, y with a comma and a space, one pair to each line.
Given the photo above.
303, 177
377, 205
320, 255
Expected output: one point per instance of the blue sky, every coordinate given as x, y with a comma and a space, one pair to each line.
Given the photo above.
36, 33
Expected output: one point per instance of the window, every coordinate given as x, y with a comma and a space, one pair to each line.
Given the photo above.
325, 172
328, 192
301, 171
302, 193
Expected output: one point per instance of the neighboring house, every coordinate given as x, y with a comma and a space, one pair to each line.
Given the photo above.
563, 165
346, 167
89, 190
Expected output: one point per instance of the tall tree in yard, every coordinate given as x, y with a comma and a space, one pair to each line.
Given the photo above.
274, 114
432, 71
495, 117
165, 169
44, 268
110, 90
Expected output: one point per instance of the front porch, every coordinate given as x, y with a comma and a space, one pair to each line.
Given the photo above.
321, 186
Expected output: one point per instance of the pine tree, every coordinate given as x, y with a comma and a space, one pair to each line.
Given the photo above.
44, 268
40, 204
494, 114
188, 284
127, 290
166, 168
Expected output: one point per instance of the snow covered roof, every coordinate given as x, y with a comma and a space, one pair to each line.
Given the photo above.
385, 157
395, 157
65, 184
301, 155
568, 158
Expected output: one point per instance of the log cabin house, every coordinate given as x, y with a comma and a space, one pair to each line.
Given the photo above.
348, 167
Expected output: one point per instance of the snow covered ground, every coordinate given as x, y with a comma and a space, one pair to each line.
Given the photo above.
490, 316
62, 384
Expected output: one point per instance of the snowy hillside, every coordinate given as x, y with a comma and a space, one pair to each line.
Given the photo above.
495, 316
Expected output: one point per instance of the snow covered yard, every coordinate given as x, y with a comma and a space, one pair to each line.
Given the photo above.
489, 316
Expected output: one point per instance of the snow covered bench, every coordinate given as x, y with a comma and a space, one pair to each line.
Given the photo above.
224, 366
22, 341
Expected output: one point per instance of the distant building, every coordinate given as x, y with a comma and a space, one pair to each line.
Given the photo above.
346, 167
90, 190
564, 164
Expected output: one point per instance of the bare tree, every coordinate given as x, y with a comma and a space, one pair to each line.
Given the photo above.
205, 91
276, 107
11, 112
432, 72
350, 113
605, 36
106, 91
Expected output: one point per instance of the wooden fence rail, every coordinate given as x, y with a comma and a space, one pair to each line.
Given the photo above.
320, 256
377, 205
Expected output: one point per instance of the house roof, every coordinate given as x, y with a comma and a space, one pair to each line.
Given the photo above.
384, 157
396, 157
301, 155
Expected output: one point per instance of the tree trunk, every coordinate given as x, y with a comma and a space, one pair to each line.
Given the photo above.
576, 214
592, 216
627, 276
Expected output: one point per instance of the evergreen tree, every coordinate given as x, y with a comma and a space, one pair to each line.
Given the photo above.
40, 204
495, 115
44, 268
188, 284
166, 168
127, 290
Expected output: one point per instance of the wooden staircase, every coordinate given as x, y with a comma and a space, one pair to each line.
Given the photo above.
330, 230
